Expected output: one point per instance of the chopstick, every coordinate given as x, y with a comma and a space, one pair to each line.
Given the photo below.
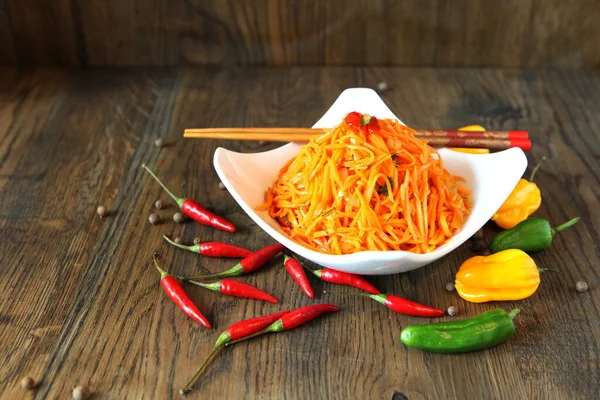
493, 140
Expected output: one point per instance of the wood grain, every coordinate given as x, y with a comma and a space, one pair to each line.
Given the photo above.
441, 33
80, 301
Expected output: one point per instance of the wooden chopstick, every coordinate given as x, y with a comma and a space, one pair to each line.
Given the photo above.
266, 134
494, 140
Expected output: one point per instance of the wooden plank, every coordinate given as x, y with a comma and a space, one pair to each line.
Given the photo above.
80, 300
459, 33
45, 33
8, 56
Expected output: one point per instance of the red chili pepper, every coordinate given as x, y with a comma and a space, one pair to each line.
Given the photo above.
407, 307
373, 126
234, 288
354, 119
248, 327
237, 331
345, 278
176, 293
194, 210
363, 122
403, 306
294, 268
294, 319
248, 264
302, 315
214, 249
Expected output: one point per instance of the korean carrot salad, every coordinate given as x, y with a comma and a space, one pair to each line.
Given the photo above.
367, 184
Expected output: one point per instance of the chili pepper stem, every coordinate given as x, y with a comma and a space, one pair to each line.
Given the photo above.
210, 286
535, 169
213, 276
566, 225
162, 272
178, 200
181, 246
377, 297
188, 386
513, 313
549, 269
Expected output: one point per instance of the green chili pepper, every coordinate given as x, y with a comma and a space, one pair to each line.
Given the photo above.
481, 332
533, 234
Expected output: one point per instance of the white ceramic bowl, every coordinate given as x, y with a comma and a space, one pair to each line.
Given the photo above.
489, 177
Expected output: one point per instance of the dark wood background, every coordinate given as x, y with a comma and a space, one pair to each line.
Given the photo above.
439, 33
80, 301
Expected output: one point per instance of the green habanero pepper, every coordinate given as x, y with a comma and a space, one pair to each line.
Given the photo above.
481, 332
533, 234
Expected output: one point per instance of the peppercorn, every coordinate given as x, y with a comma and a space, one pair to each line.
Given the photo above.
581, 286
27, 383
178, 240
452, 311
102, 211
153, 219
79, 393
159, 143
178, 217
159, 204
450, 287
222, 186
197, 241
382, 86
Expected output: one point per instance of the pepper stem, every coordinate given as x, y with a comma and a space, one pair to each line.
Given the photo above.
535, 169
366, 118
188, 386
213, 276
178, 200
513, 313
234, 271
210, 286
162, 272
181, 246
549, 270
315, 272
377, 297
566, 225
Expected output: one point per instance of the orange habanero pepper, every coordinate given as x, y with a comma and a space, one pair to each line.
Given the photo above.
507, 275
523, 201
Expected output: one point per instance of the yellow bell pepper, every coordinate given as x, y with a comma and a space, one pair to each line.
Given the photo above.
507, 275
523, 201
471, 128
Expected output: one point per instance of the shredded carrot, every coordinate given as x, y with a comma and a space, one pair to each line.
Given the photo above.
348, 191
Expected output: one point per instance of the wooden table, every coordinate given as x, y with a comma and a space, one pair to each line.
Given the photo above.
80, 300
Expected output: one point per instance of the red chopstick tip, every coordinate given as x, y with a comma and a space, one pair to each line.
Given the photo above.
523, 144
